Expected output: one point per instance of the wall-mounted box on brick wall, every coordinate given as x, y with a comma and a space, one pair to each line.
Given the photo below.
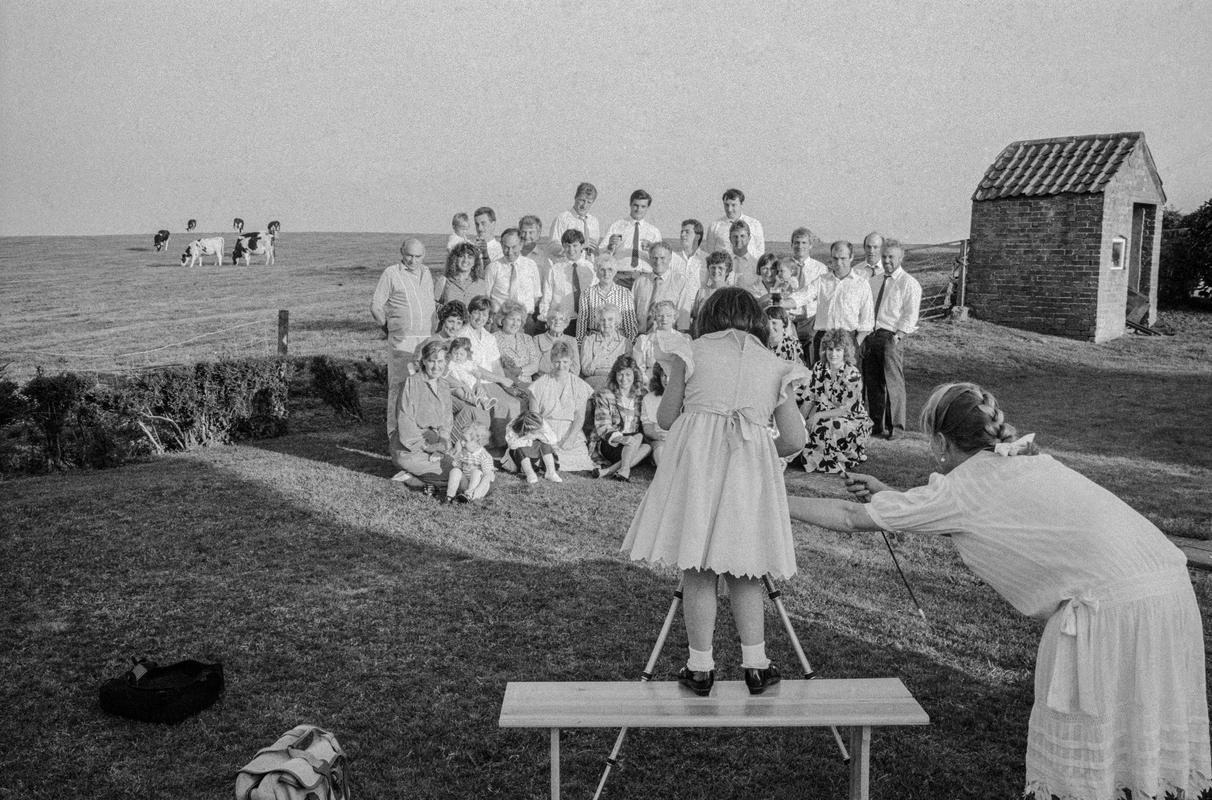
1069, 228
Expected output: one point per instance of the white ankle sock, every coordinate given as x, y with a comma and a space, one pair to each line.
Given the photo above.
700, 660
753, 656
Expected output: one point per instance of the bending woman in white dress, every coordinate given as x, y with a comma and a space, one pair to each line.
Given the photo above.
1120, 699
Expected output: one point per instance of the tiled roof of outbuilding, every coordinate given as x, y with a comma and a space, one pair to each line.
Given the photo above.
1080, 164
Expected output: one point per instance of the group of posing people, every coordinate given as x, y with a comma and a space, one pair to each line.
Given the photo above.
1120, 704
620, 302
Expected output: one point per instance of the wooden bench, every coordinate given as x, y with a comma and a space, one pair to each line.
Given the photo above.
859, 704
1198, 552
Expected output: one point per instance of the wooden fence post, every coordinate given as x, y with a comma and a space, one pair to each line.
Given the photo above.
959, 311
283, 331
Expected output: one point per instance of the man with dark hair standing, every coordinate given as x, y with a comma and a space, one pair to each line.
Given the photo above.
629, 240
898, 297
718, 233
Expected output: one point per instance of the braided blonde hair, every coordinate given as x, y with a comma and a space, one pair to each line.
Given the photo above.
967, 415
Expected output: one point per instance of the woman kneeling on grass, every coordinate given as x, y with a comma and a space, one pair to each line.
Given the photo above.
1120, 701
420, 445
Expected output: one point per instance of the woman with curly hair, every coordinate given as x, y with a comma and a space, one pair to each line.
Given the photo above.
832, 405
465, 275
617, 435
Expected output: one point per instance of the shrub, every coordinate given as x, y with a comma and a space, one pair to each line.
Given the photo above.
68, 420
1186, 256
332, 383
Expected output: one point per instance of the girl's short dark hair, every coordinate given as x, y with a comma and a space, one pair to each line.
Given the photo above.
452, 308
731, 308
656, 383
479, 303
626, 363
526, 422
780, 313
458, 343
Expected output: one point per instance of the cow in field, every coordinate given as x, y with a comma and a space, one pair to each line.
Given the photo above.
189, 226
237, 225
160, 240
274, 227
253, 244
203, 247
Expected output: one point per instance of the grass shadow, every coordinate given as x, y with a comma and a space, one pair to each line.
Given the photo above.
336, 599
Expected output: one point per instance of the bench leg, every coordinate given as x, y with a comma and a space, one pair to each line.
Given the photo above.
860, 763
555, 764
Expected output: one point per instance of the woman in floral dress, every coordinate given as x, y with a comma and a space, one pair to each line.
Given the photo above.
834, 414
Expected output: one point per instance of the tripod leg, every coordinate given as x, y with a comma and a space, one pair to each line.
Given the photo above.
646, 675
777, 597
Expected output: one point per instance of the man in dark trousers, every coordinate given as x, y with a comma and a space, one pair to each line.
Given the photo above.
898, 296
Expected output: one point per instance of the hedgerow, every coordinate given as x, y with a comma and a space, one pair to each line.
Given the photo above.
71, 420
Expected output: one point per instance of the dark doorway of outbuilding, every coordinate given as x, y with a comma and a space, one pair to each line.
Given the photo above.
1140, 251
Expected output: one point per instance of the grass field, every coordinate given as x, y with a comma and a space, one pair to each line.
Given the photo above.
336, 597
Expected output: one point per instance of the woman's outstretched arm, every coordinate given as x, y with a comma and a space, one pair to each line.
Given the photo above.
836, 515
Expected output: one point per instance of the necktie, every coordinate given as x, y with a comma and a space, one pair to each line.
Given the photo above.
880, 296
635, 246
513, 279
484, 252
576, 286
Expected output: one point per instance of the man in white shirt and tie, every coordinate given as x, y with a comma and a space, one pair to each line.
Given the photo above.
692, 260
744, 262
844, 300
514, 277
578, 217
629, 240
807, 272
873, 253
898, 298
663, 283
719, 234
403, 306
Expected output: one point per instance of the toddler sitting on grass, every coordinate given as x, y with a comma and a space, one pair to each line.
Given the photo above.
529, 439
472, 474
465, 379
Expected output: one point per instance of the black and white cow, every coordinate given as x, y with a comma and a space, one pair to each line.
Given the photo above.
274, 227
203, 247
237, 225
160, 240
253, 244
189, 226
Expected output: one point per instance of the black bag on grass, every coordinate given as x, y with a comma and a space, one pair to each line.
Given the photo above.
150, 693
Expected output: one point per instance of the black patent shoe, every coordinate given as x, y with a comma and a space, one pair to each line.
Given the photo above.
759, 679
697, 681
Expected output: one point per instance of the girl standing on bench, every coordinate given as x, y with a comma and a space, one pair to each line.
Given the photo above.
1120, 701
717, 505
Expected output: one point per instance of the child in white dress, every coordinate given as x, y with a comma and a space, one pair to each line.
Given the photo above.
1120, 698
717, 504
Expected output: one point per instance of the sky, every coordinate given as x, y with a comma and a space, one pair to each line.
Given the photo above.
125, 117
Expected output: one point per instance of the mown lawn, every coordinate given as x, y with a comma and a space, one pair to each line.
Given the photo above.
336, 597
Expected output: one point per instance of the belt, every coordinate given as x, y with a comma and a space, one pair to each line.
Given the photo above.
740, 421
1074, 683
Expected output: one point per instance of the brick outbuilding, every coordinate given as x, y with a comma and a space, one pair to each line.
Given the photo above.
1066, 235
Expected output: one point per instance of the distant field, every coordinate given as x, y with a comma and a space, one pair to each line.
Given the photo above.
109, 303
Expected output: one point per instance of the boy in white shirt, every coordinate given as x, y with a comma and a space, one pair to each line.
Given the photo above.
486, 222
567, 278
692, 260
629, 240
578, 217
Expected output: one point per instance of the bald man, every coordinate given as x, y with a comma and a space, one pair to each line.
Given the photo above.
403, 306
873, 250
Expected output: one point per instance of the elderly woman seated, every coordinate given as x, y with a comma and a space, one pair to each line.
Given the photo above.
519, 353
557, 322
420, 443
834, 414
602, 347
